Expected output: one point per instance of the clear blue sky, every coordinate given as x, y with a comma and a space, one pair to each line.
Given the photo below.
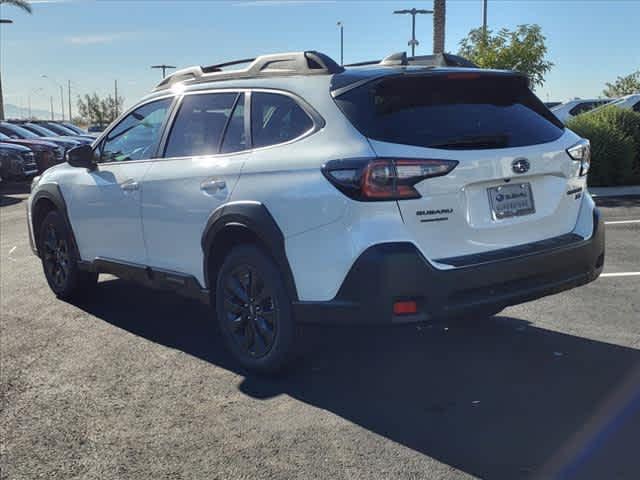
94, 42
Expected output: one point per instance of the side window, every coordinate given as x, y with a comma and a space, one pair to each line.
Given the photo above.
276, 119
581, 108
136, 136
199, 125
636, 107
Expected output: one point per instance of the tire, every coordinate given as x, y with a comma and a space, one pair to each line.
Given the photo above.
59, 262
254, 310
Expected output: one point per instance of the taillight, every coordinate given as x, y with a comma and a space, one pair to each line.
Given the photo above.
581, 152
383, 178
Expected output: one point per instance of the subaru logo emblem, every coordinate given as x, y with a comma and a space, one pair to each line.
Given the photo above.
520, 165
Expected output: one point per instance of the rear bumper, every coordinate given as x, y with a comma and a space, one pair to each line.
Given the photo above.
389, 272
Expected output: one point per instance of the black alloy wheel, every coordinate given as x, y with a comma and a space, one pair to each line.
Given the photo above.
56, 257
254, 310
250, 311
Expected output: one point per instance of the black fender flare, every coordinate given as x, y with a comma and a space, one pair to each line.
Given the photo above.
52, 192
255, 217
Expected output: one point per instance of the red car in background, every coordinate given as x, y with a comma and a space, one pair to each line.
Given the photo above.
47, 153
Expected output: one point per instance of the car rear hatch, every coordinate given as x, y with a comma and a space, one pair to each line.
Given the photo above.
514, 182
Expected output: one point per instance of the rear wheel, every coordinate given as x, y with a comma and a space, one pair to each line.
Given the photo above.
59, 263
254, 310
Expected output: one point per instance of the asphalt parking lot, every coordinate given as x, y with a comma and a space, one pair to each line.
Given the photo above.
135, 384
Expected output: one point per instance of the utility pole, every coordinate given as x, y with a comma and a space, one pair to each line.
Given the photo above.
69, 96
413, 12
340, 24
2, 20
115, 84
51, 102
484, 21
164, 68
61, 103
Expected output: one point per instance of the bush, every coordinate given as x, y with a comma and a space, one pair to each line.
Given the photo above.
615, 145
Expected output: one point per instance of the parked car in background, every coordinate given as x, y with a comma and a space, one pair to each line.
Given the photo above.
78, 130
552, 104
18, 132
47, 154
96, 128
628, 101
565, 111
16, 162
61, 129
46, 131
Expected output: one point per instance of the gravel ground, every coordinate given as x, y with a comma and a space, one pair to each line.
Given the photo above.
135, 384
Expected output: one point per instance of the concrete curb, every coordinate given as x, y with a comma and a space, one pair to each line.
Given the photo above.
629, 190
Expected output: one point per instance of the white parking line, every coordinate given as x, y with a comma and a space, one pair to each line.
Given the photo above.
621, 274
620, 222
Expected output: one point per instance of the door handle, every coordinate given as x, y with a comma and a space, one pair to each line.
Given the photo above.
212, 185
130, 186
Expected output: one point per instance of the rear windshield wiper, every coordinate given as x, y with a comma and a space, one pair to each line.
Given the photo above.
477, 141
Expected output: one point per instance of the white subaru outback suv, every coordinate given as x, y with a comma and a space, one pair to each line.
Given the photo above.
296, 190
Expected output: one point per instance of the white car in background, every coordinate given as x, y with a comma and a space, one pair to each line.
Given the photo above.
572, 108
628, 101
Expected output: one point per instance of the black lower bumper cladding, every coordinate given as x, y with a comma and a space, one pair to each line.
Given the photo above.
390, 272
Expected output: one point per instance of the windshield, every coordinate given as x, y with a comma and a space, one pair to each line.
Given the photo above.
465, 110
58, 129
74, 128
43, 132
10, 129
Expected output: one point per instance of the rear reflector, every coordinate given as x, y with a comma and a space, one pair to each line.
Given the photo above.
405, 307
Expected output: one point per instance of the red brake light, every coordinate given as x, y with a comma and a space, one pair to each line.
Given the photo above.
384, 178
405, 307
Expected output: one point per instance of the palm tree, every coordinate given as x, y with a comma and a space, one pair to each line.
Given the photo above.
24, 5
439, 7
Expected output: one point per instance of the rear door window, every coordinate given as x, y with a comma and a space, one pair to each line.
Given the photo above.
276, 118
200, 125
456, 111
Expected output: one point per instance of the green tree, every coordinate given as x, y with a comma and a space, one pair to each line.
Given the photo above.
522, 50
100, 111
623, 86
24, 5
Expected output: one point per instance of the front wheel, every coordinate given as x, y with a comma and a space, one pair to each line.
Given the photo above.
254, 310
59, 263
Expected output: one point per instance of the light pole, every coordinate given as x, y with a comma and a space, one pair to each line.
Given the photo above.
413, 12
164, 68
2, 20
341, 25
61, 94
31, 92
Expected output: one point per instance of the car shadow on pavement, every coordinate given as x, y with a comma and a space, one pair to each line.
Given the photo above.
12, 188
496, 398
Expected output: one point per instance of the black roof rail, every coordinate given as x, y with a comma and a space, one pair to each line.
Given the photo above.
441, 60
280, 64
436, 60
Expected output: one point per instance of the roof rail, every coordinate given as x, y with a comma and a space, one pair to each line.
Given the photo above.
436, 60
294, 63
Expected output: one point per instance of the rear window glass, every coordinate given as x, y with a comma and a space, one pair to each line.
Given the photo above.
451, 111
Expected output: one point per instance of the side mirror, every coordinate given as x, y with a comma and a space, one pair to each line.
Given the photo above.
81, 157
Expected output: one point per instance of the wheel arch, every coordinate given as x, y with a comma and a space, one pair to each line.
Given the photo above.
236, 223
49, 198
